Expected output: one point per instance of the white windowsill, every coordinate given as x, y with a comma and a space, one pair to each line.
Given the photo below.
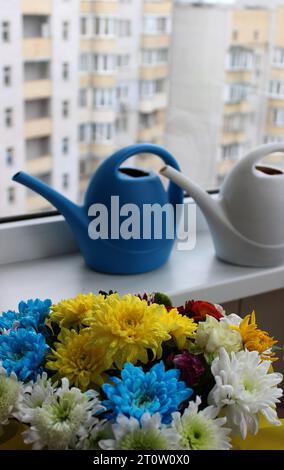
194, 274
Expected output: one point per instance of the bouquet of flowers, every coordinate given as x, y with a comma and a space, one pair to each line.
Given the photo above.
133, 372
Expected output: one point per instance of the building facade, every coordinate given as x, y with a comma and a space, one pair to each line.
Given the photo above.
78, 80
226, 84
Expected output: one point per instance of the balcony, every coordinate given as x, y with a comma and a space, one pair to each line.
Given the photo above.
153, 103
100, 45
101, 81
103, 150
152, 72
37, 203
37, 89
240, 107
274, 130
38, 128
237, 76
36, 7
97, 115
102, 7
232, 137
155, 41
36, 48
158, 8
39, 165
84, 181
147, 135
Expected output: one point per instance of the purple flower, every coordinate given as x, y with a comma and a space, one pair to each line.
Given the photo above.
190, 366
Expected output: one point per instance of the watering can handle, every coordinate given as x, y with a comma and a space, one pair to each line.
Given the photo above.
175, 194
248, 162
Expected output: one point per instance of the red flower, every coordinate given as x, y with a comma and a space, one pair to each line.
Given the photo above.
199, 309
191, 367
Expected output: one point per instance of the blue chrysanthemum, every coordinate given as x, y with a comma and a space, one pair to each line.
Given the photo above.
8, 319
137, 392
32, 315
23, 351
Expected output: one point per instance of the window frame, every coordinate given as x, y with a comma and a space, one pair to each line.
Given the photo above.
47, 234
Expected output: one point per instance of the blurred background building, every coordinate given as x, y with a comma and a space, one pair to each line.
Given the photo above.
79, 79
226, 84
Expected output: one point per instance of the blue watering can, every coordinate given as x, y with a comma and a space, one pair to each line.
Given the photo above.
110, 190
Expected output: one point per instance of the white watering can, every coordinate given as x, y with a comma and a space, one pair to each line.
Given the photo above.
247, 219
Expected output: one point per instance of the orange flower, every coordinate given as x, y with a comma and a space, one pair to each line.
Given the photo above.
255, 339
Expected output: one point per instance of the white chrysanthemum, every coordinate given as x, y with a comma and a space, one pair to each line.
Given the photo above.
55, 424
9, 396
232, 319
220, 309
148, 434
245, 389
89, 436
212, 334
34, 394
201, 430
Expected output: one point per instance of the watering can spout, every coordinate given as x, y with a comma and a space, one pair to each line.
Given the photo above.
73, 214
210, 207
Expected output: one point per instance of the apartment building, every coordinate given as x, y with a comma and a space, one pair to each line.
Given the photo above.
78, 80
227, 87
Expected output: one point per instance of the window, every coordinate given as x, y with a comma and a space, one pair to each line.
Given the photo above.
7, 76
82, 132
276, 88
65, 146
104, 98
8, 117
154, 56
122, 60
256, 35
65, 181
235, 35
83, 98
278, 56
124, 28
104, 26
273, 139
122, 91
121, 124
232, 151
77, 86
147, 120
65, 109
10, 156
156, 25
102, 132
236, 92
65, 30
240, 59
237, 122
148, 88
11, 195
84, 62
65, 71
104, 63
83, 26
6, 31
278, 117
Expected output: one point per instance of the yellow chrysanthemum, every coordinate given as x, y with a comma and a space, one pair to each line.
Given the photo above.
128, 327
72, 313
255, 339
75, 359
179, 326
